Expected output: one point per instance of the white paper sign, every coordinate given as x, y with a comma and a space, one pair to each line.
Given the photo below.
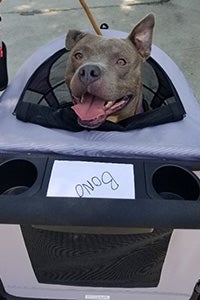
91, 180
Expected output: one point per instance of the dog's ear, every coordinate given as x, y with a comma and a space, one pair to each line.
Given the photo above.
141, 35
72, 37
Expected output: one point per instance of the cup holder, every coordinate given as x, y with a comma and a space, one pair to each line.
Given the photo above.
174, 182
17, 176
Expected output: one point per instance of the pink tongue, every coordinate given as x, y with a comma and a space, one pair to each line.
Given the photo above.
91, 108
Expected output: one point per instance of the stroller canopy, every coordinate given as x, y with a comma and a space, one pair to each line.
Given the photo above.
40, 81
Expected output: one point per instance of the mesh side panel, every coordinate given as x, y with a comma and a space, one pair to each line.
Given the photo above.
49, 81
57, 80
149, 81
48, 88
57, 72
62, 93
97, 260
33, 97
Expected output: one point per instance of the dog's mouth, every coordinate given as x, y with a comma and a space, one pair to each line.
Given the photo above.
92, 110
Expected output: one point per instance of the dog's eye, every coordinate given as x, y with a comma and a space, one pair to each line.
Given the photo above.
78, 55
121, 62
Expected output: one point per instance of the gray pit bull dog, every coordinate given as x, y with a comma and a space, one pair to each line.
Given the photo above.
104, 74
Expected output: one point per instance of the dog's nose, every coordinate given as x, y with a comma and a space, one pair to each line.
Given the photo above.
89, 73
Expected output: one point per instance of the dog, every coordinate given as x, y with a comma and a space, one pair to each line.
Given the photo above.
104, 74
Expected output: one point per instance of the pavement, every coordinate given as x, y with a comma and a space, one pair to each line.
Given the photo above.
28, 25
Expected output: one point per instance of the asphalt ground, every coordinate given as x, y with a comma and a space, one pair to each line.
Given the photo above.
28, 25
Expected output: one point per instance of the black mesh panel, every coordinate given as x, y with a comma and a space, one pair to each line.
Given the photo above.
133, 260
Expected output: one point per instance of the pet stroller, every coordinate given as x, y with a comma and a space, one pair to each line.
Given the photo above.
138, 241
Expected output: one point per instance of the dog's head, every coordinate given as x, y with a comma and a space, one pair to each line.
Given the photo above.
104, 75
